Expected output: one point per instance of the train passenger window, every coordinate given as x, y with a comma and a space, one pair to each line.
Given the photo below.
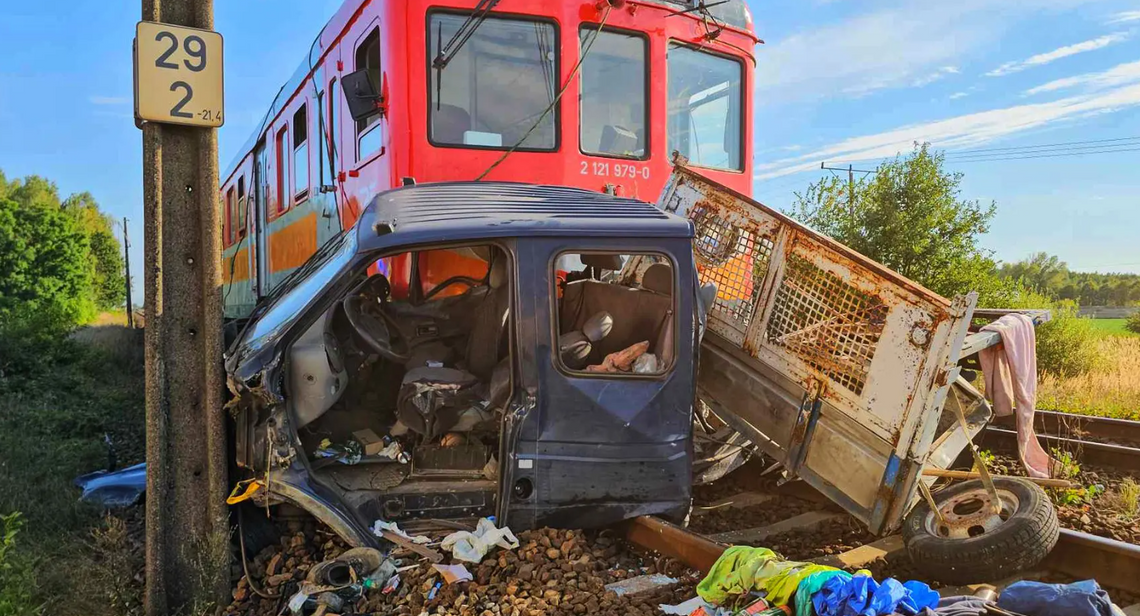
705, 122
301, 154
230, 220
367, 134
614, 93
283, 169
331, 136
241, 207
497, 88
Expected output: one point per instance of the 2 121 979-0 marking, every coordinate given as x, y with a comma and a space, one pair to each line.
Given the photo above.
615, 170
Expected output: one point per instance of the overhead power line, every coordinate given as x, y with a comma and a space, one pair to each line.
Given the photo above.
1045, 154
1044, 145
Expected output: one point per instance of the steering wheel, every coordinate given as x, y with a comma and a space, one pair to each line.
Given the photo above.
467, 280
366, 310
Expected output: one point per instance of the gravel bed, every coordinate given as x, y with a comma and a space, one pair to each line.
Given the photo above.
552, 572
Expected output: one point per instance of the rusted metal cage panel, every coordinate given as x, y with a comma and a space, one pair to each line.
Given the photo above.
863, 350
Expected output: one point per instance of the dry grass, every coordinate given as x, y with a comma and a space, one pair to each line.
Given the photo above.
1111, 390
109, 334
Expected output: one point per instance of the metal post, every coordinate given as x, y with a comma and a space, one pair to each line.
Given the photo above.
127, 264
187, 531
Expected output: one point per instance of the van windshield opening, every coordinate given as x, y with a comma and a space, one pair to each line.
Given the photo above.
496, 87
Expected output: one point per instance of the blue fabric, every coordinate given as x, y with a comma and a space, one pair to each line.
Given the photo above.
862, 596
810, 586
1085, 598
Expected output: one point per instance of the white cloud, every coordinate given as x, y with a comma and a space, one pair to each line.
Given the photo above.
936, 75
1125, 17
1061, 52
108, 100
1115, 76
964, 130
892, 45
957, 95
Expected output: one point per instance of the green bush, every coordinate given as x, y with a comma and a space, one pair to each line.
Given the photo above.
16, 581
1067, 345
1133, 323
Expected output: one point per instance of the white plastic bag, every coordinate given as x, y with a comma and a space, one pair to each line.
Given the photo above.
472, 547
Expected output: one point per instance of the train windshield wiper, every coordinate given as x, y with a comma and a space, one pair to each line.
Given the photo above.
466, 30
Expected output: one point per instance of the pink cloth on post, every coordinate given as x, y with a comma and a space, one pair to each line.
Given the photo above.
1010, 370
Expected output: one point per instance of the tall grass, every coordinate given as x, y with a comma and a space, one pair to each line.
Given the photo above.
1111, 389
55, 416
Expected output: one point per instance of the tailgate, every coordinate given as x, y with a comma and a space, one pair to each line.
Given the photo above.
825, 359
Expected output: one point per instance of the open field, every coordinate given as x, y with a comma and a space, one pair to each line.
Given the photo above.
54, 423
1111, 390
1114, 327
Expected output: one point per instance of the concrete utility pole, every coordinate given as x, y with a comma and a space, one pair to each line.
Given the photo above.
127, 264
187, 530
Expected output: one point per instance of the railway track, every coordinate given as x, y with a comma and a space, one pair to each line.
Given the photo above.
1114, 564
1072, 433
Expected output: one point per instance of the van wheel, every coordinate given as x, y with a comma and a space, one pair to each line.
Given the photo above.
972, 543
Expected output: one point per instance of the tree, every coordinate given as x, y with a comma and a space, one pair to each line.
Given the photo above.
1042, 271
910, 217
106, 253
45, 277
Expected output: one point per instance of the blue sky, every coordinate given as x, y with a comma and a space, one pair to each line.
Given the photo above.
839, 81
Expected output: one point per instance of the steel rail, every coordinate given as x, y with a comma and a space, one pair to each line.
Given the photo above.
1059, 423
1113, 564
1100, 454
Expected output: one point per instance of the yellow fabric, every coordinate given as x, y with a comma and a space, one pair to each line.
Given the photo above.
734, 573
741, 569
782, 585
251, 486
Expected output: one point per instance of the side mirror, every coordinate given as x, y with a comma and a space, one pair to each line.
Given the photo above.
362, 95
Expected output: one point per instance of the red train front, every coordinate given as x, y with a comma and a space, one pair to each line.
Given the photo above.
589, 94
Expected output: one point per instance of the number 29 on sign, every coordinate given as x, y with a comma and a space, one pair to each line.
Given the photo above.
178, 75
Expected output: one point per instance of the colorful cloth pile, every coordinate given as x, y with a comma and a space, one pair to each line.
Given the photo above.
742, 573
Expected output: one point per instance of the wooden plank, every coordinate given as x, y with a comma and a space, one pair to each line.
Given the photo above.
804, 521
864, 554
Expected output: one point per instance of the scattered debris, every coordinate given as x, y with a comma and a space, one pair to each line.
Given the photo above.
640, 584
121, 488
453, 573
473, 546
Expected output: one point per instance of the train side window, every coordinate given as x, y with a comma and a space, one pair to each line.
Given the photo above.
301, 154
230, 220
614, 93
499, 89
334, 98
367, 133
705, 116
241, 205
283, 169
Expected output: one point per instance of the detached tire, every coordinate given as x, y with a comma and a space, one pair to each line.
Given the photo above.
975, 545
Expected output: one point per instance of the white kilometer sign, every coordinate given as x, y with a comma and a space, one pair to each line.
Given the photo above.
178, 75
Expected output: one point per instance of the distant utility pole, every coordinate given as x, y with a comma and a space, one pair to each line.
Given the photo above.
851, 171
177, 75
127, 263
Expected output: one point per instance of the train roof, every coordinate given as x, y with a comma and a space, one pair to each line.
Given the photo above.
477, 210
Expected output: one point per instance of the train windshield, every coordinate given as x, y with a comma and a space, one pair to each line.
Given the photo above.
614, 92
495, 90
705, 121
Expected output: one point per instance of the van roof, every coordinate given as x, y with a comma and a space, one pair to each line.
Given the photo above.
471, 210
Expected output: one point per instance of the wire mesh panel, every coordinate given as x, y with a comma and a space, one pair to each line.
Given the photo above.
826, 322
735, 259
